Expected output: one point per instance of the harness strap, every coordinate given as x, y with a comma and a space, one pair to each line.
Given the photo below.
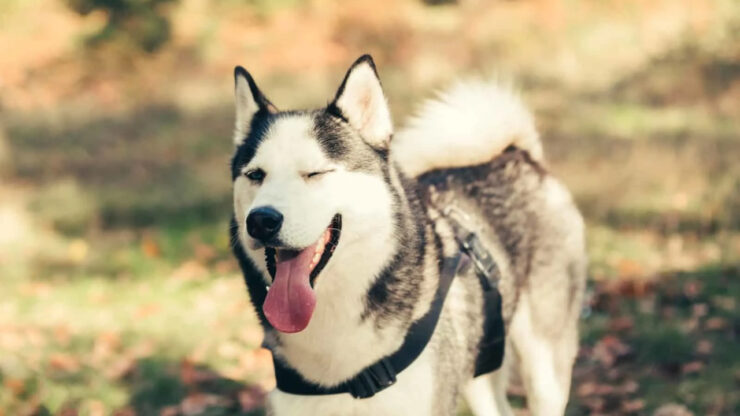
382, 373
491, 347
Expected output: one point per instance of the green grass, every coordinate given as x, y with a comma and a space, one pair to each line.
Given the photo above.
675, 350
118, 290
122, 341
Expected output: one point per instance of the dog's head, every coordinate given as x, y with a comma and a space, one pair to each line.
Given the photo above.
313, 198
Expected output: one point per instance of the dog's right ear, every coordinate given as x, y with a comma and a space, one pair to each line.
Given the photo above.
360, 101
249, 101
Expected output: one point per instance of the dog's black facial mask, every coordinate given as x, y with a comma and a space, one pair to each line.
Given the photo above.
351, 133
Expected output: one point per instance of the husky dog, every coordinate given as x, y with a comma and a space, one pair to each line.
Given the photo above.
338, 223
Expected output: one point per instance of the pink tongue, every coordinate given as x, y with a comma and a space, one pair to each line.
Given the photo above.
290, 301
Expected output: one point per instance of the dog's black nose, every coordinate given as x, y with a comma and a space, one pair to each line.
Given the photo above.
264, 223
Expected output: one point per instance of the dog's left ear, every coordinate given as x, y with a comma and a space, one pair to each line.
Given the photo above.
249, 102
361, 102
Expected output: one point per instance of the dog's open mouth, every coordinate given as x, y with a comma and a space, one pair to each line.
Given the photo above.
291, 300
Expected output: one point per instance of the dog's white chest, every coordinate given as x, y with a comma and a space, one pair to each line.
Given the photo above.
411, 395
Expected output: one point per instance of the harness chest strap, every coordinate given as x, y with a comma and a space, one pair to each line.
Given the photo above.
382, 373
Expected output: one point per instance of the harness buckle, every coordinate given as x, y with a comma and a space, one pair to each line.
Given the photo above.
373, 379
470, 243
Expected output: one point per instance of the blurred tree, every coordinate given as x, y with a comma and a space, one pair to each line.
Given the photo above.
141, 23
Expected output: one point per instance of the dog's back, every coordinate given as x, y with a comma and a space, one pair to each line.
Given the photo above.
476, 149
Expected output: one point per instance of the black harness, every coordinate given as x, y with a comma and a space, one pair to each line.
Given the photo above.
382, 374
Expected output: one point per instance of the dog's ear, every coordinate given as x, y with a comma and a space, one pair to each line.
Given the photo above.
361, 102
249, 101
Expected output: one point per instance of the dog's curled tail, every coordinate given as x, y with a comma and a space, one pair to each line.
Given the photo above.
468, 124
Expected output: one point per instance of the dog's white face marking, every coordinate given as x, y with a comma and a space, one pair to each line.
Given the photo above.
289, 150
287, 156
286, 149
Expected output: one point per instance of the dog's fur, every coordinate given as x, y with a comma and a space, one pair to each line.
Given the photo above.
475, 148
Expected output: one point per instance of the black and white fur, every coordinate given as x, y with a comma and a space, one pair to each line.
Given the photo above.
475, 147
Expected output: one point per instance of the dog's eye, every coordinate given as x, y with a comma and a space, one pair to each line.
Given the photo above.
255, 175
317, 173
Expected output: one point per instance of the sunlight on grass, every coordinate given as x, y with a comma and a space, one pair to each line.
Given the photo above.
118, 290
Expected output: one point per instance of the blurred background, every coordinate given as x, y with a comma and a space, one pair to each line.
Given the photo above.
118, 293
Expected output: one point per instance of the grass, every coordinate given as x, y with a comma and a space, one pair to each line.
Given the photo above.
123, 341
677, 343
118, 293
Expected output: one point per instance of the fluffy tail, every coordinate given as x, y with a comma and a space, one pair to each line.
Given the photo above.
469, 124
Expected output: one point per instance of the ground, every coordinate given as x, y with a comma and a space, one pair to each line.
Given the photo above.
118, 292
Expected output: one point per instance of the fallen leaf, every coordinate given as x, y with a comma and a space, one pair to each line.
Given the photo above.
170, 411
586, 389
225, 267
631, 406
204, 252
595, 404
147, 310
621, 323
191, 375
193, 405
16, 386
187, 372
715, 323
40, 289
594, 389
62, 335
95, 408
672, 409
68, 411
609, 349
251, 399
149, 247
692, 367
64, 362
11, 340
691, 324
190, 270
106, 343
724, 302
142, 349
668, 312
120, 368
77, 251
126, 411
629, 387
196, 404
704, 347
628, 268
35, 337
700, 310
692, 289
